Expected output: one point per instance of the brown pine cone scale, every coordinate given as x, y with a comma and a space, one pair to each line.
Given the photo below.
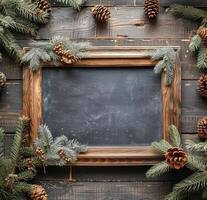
38, 193
202, 128
151, 8
2, 80
202, 85
101, 13
176, 158
44, 5
202, 32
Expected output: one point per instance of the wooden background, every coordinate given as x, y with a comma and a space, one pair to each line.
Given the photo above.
128, 26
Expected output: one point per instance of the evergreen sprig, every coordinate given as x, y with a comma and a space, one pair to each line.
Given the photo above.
188, 12
34, 57
196, 147
76, 4
167, 60
51, 146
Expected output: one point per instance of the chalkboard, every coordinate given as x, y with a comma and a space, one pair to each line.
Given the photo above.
103, 106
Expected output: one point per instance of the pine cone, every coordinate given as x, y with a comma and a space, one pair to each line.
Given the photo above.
101, 13
151, 8
62, 155
38, 193
58, 49
44, 5
40, 153
202, 85
176, 157
202, 32
202, 128
67, 57
2, 80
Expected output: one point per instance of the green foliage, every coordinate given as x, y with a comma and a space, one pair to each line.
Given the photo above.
1, 142
175, 138
196, 163
51, 146
188, 12
166, 64
158, 170
14, 172
161, 146
76, 4
199, 147
34, 57
202, 57
195, 43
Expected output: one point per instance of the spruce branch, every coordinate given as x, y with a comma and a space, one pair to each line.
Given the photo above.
188, 12
202, 57
195, 43
195, 163
76, 4
2, 133
34, 57
158, 170
31, 12
196, 147
192, 183
161, 146
174, 134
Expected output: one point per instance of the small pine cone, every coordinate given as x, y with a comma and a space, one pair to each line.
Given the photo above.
202, 32
61, 152
101, 13
44, 5
58, 49
67, 58
176, 157
2, 80
151, 8
202, 128
202, 85
38, 193
40, 153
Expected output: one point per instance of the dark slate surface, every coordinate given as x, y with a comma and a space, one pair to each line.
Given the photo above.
103, 106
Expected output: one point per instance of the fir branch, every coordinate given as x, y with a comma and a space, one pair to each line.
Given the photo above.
195, 163
175, 195
193, 183
15, 148
192, 146
188, 12
76, 4
31, 12
45, 139
26, 175
202, 57
161, 146
34, 57
158, 170
76, 146
10, 45
174, 136
195, 43
2, 133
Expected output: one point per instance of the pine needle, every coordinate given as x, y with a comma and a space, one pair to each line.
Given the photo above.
202, 57
195, 163
195, 43
34, 57
193, 183
158, 170
161, 146
192, 146
188, 12
76, 4
2, 134
174, 134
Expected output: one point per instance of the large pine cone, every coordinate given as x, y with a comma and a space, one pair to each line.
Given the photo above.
44, 5
202, 85
38, 193
202, 32
2, 80
202, 128
151, 8
101, 13
176, 157
67, 57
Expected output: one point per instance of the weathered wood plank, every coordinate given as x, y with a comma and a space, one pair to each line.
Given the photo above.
123, 24
10, 105
193, 106
202, 3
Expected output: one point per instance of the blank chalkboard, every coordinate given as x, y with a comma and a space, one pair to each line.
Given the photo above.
103, 106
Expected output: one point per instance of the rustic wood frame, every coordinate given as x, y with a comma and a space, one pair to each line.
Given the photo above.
109, 57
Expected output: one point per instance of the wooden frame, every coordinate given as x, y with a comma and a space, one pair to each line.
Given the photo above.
109, 57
